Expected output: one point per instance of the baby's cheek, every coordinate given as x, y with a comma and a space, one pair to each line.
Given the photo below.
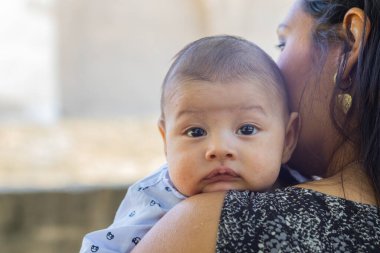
182, 180
264, 179
271, 177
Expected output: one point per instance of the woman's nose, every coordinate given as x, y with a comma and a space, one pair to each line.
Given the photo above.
220, 149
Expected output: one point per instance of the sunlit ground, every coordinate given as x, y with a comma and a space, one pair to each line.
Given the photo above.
78, 153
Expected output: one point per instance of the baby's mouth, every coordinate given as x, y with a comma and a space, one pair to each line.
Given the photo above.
221, 174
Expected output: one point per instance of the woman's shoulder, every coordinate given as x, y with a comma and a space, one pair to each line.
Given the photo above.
295, 219
296, 203
292, 197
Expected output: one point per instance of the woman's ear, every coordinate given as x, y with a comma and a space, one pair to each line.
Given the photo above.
291, 136
161, 128
357, 27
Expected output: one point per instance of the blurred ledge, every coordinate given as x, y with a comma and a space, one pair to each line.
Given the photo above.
54, 221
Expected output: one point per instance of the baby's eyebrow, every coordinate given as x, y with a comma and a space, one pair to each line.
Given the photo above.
257, 108
189, 111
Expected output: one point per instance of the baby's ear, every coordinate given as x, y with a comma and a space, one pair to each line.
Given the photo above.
291, 136
161, 128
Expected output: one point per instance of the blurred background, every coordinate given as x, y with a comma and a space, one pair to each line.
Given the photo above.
79, 100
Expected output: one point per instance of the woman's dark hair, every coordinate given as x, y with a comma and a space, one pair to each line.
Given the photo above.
361, 125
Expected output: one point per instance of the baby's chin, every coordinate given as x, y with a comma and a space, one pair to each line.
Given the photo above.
223, 186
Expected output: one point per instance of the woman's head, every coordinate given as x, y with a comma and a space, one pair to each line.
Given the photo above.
331, 48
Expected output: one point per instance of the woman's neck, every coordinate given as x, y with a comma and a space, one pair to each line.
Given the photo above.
351, 183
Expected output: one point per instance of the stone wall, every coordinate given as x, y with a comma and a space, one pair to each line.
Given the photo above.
47, 222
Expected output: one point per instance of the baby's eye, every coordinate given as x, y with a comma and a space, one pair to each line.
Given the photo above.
247, 129
196, 132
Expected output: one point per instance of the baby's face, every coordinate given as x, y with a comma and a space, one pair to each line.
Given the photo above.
223, 136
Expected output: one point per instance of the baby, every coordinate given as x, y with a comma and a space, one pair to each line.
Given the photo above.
225, 124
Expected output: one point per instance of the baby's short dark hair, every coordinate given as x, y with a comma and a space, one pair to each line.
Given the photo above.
223, 59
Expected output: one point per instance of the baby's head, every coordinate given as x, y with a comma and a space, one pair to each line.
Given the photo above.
224, 120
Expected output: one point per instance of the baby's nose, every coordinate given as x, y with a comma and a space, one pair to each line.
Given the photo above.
220, 150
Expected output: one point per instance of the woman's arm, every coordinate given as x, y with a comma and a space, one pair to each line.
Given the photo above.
191, 226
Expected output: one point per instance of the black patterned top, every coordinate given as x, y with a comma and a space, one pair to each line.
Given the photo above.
296, 220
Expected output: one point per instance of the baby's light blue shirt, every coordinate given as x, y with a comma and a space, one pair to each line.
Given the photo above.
144, 204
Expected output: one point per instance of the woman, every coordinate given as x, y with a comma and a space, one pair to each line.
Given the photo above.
331, 61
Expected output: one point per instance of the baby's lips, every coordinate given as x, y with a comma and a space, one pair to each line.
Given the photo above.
219, 171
